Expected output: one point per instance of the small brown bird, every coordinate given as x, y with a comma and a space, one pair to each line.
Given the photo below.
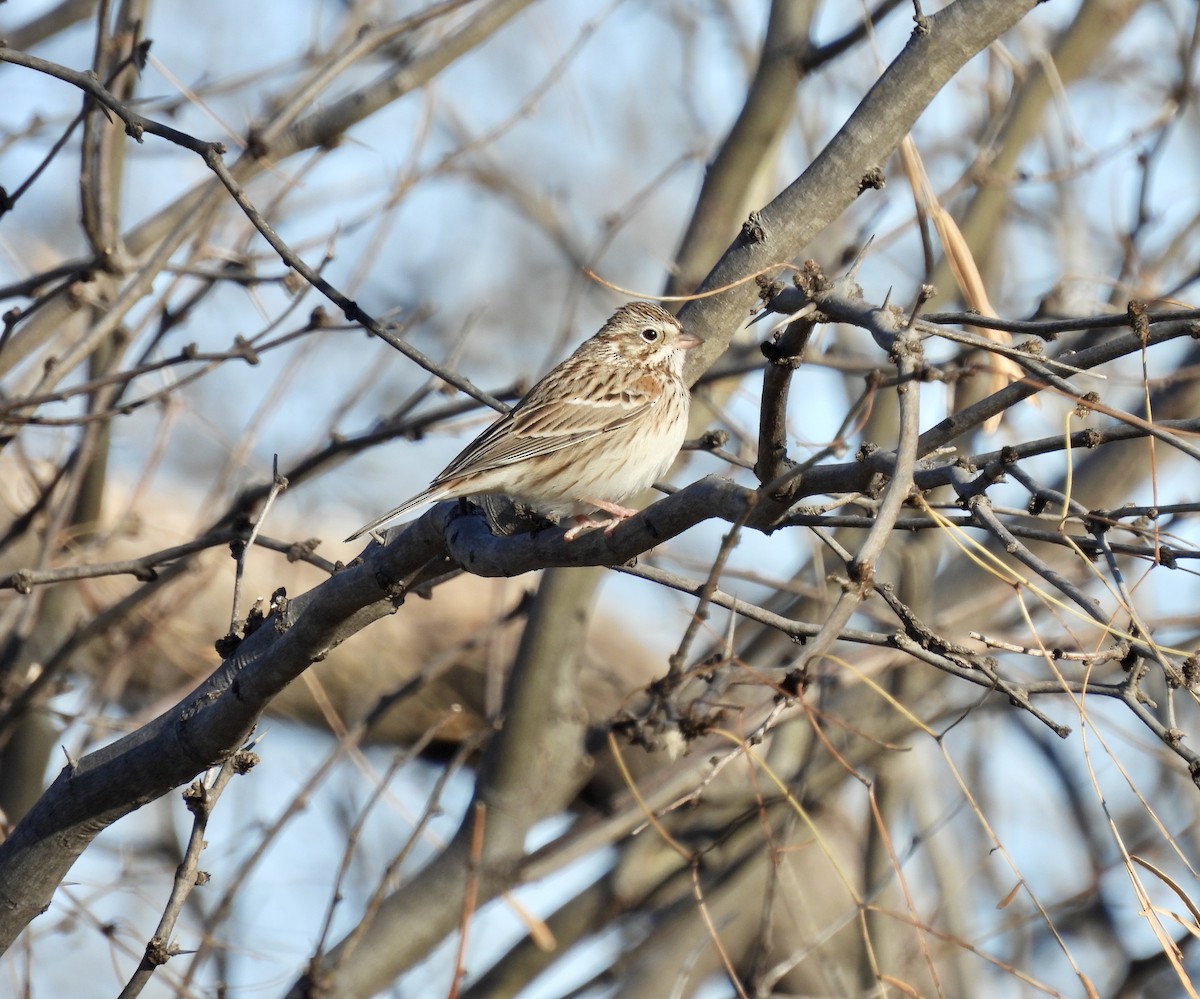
601, 427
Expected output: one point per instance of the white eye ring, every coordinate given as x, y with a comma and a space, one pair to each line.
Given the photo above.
650, 334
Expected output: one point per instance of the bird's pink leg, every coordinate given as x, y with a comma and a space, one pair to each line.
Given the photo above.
582, 524
620, 512
619, 515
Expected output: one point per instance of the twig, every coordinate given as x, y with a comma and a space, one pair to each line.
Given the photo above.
470, 896
699, 615
201, 798
350, 308
784, 356
278, 484
433, 808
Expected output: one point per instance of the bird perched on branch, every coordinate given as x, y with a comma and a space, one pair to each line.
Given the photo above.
601, 427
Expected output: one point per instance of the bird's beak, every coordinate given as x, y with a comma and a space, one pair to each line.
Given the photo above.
686, 341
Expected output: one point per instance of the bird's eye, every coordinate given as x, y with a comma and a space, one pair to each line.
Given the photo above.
650, 334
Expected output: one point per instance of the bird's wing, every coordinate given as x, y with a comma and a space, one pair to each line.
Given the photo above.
535, 427
538, 428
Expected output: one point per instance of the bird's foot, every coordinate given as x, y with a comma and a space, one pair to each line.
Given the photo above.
620, 514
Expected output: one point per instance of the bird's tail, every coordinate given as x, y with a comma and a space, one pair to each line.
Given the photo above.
419, 500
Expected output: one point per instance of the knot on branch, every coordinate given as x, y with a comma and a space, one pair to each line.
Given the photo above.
300, 550
872, 180
861, 575
811, 280
244, 349
780, 359
710, 440
1139, 322
794, 684
1085, 404
394, 589
1191, 672
243, 761
279, 608
227, 644
159, 952
767, 289
753, 229
195, 798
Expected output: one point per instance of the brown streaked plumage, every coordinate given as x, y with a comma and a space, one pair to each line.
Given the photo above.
597, 429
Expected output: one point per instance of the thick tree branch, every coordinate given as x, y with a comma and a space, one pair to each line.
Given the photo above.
850, 164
